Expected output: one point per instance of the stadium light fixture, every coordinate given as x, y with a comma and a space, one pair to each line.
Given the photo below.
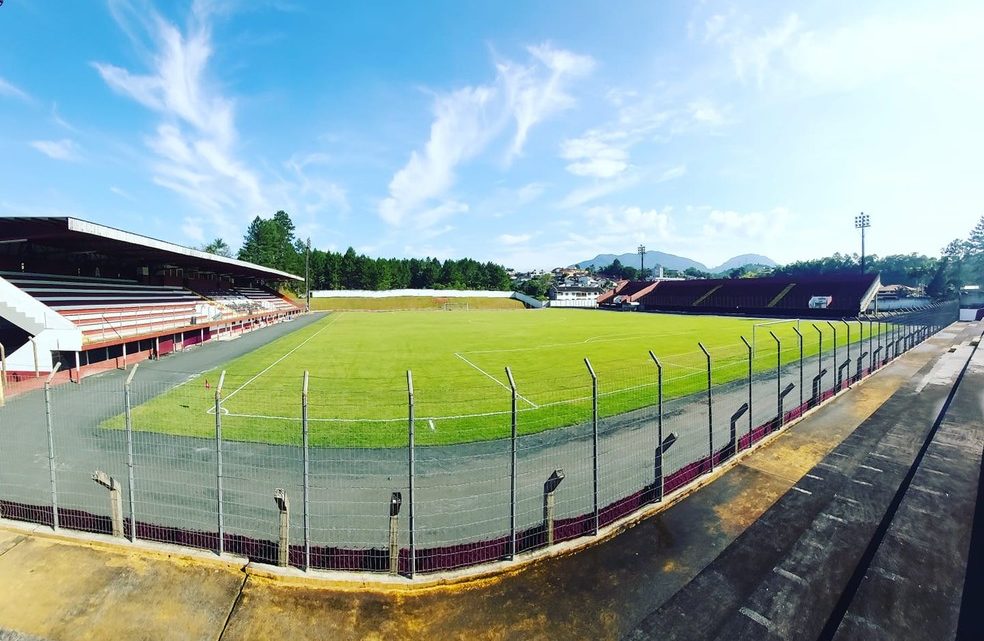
642, 262
862, 221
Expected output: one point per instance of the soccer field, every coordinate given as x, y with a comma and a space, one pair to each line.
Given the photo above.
358, 366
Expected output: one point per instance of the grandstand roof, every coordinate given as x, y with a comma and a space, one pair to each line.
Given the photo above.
73, 235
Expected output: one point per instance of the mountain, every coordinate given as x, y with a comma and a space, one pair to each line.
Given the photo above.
668, 261
741, 261
679, 263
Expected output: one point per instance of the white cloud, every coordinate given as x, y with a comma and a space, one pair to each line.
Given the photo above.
515, 239
706, 112
751, 225
11, 91
594, 155
856, 53
634, 222
529, 192
468, 119
532, 99
753, 54
122, 193
63, 149
195, 143
600, 188
462, 128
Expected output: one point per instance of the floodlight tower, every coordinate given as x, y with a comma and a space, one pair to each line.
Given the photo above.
642, 262
862, 222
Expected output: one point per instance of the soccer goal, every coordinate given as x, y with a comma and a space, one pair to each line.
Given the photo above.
455, 307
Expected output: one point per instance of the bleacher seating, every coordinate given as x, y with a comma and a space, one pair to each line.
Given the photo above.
846, 291
745, 292
246, 301
626, 291
266, 299
108, 309
848, 294
677, 294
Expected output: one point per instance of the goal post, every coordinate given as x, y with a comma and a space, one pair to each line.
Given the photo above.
454, 306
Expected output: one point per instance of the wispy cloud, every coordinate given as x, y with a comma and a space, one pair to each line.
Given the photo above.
757, 225
634, 222
818, 58
195, 143
515, 239
8, 90
64, 149
122, 193
468, 119
601, 188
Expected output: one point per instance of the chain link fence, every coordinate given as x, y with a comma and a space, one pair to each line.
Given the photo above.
323, 488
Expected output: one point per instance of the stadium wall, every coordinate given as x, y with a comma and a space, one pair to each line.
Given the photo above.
433, 293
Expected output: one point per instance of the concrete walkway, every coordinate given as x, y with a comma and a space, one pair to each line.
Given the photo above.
61, 588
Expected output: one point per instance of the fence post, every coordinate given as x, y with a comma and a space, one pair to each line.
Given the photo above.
710, 409
871, 346
283, 541
800, 336
778, 379
51, 447
749, 348
218, 461
3, 374
127, 409
835, 371
658, 471
819, 361
306, 478
37, 364
512, 465
410, 468
594, 441
848, 360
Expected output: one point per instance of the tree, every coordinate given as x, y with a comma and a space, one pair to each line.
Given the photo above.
218, 247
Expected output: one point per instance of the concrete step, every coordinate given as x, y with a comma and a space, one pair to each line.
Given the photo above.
913, 586
783, 577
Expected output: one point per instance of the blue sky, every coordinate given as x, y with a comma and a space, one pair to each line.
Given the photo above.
534, 133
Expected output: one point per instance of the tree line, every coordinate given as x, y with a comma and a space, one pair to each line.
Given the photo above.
960, 263
272, 242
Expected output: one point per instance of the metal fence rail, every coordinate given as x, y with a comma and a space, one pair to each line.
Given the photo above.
87, 457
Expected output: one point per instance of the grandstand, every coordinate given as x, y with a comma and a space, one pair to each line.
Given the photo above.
626, 294
813, 296
87, 297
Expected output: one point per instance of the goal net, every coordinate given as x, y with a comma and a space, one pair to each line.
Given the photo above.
455, 307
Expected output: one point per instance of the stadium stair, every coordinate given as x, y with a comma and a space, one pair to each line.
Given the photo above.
872, 543
707, 295
780, 295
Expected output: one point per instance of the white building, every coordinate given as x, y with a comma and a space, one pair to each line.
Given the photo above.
574, 296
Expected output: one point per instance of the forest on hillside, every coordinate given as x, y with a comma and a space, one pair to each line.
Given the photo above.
272, 242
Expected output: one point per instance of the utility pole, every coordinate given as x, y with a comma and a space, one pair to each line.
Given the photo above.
307, 277
642, 262
862, 222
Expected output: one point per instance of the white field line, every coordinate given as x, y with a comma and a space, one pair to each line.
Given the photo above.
268, 367
497, 381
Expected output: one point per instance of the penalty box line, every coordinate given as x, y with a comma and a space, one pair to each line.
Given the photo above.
497, 381
266, 369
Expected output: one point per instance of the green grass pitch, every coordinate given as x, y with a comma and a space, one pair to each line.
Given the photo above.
358, 366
